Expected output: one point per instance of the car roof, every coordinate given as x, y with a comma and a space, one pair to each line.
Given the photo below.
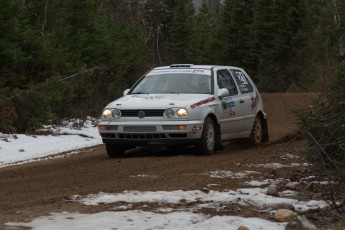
192, 66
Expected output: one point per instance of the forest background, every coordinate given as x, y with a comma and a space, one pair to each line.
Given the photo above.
62, 59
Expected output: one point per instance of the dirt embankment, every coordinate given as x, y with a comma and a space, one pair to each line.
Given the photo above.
280, 107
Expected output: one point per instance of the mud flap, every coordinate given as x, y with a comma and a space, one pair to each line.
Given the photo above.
265, 137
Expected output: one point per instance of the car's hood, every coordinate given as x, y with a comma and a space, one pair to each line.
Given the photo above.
157, 101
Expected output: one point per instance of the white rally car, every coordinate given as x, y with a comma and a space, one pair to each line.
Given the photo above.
185, 104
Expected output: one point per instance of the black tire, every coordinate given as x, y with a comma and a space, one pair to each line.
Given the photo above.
114, 151
256, 137
207, 144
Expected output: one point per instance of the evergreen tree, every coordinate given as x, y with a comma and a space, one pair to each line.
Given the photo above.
14, 44
199, 47
284, 45
45, 41
179, 31
315, 58
278, 33
154, 23
235, 32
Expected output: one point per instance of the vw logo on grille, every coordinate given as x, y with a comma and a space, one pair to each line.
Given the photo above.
141, 114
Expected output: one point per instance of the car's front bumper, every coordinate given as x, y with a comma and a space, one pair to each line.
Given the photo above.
151, 133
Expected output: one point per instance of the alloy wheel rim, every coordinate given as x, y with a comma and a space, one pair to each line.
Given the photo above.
257, 131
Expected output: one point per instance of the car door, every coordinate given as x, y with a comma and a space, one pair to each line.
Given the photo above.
247, 98
229, 116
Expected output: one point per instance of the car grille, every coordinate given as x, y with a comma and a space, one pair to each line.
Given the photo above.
148, 112
139, 129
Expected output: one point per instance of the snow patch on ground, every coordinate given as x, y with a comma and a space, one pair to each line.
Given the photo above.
138, 219
228, 174
168, 218
21, 148
278, 165
247, 196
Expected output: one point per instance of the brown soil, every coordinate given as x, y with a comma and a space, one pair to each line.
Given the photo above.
35, 189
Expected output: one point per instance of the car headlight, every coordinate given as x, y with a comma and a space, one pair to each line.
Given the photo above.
108, 113
116, 113
169, 113
182, 113
175, 113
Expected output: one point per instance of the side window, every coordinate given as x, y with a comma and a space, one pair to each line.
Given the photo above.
242, 81
225, 80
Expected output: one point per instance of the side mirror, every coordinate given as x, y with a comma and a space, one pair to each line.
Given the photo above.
125, 92
223, 92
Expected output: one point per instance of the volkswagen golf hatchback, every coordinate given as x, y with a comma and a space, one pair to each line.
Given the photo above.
185, 104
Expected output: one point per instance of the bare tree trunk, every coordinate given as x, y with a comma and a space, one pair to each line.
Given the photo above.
45, 16
337, 20
100, 7
157, 44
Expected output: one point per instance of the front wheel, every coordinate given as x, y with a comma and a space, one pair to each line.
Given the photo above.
256, 136
114, 150
207, 144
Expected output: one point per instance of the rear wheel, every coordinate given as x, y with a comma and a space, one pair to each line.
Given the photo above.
257, 132
207, 144
114, 150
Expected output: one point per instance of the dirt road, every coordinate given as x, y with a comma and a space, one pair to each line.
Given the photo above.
35, 189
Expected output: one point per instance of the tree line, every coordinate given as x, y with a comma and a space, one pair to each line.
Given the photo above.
62, 58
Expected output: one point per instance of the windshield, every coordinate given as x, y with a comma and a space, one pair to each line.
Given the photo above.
174, 83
